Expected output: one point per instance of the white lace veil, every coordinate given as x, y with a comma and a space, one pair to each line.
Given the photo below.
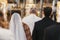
16, 27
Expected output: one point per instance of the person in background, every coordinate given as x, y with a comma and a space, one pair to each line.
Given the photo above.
31, 19
5, 24
39, 27
54, 8
5, 34
16, 27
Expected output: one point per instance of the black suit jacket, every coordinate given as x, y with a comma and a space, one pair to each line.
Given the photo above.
52, 32
39, 28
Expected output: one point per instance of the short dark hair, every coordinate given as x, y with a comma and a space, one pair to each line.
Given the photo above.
47, 11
